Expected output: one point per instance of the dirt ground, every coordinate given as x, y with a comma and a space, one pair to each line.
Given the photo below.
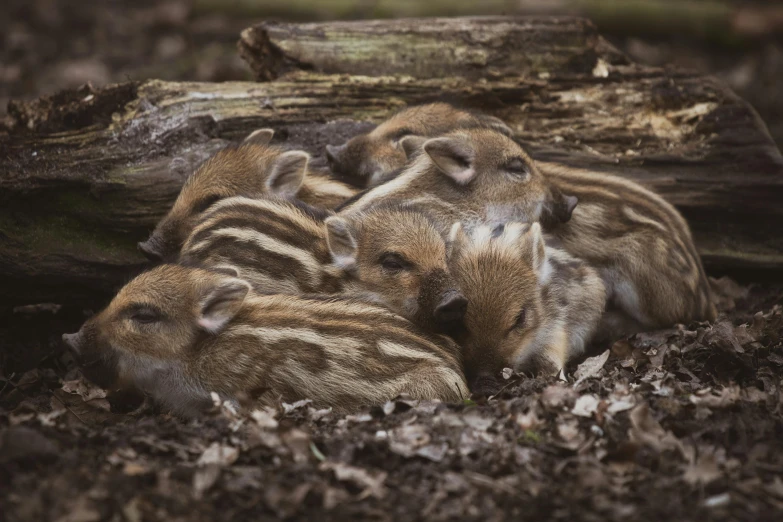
681, 424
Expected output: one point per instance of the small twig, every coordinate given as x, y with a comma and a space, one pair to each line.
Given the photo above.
7, 382
461, 397
501, 390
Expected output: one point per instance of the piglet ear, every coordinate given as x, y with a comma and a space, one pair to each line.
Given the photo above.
497, 124
533, 247
341, 239
557, 209
457, 240
412, 144
569, 204
333, 153
453, 156
221, 303
260, 137
287, 173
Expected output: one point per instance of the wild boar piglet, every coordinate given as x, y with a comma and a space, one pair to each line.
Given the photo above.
278, 245
530, 307
395, 255
252, 168
370, 159
179, 333
472, 174
640, 243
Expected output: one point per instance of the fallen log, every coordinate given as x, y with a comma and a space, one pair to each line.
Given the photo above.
85, 174
479, 47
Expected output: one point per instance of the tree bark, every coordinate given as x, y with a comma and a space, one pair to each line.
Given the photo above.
85, 174
480, 47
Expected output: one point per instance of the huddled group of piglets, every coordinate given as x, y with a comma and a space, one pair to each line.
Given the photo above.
435, 254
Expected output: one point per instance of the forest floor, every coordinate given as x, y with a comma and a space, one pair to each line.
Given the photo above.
679, 424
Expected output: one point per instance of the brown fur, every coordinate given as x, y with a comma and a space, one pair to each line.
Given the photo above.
242, 170
396, 256
530, 307
636, 239
495, 177
639, 243
284, 247
369, 158
277, 245
180, 333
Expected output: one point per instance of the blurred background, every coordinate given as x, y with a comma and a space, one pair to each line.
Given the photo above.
51, 44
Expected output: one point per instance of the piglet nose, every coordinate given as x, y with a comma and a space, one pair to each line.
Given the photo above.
484, 384
451, 308
150, 250
73, 341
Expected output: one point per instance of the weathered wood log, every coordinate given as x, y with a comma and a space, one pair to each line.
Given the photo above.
484, 47
85, 174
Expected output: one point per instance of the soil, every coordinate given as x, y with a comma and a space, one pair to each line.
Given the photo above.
681, 424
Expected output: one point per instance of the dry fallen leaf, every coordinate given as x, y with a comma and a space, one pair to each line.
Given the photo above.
333, 497
371, 481
570, 434
590, 367
90, 394
288, 408
717, 500
775, 488
557, 396
204, 478
620, 403
585, 406
298, 442
476, 420
211, 461
529, 420
703, 471
647, 431
433, 452
722, 399
265, 418
316, 415
722, 335
84, 389
405, 440
219, 455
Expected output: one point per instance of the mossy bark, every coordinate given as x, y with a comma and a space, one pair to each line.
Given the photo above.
85, 174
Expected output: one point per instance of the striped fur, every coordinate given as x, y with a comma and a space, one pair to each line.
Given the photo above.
287, 247
338, 353
278, 246
532, 307
640, 244
251, 169
395, 255
369, 159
